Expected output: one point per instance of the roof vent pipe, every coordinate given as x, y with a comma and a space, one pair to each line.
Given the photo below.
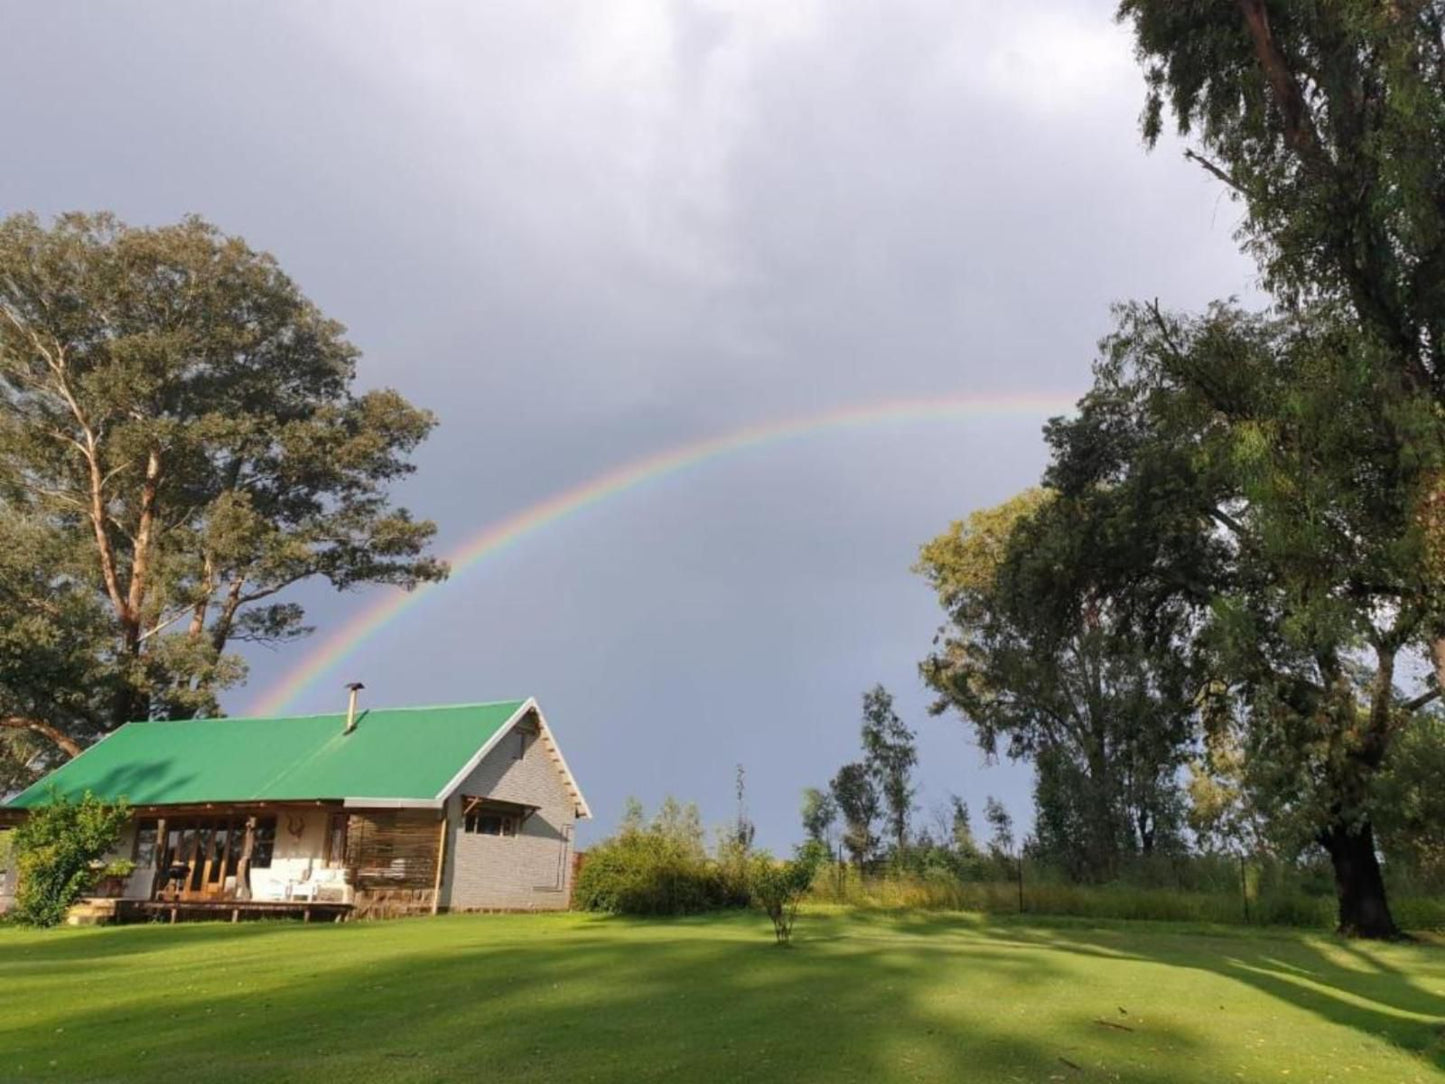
355, 687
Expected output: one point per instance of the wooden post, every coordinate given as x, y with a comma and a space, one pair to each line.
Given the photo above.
225, 857
243, 866
436, 891
158, 860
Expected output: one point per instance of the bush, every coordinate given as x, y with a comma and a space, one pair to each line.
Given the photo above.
58, 851
657, 869
635, 876
778, 887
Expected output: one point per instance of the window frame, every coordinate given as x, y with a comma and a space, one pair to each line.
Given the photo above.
263, 842
473, 824
151, 825
338, 830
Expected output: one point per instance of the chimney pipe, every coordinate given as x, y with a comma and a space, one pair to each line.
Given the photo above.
355, 687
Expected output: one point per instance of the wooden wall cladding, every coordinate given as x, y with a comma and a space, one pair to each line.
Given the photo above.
392, 855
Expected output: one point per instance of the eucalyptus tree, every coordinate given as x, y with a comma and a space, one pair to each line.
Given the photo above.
1001, 828
819, 813
890, 753
1314, 489
181, 438
1327, 120
1063, 649
857, 802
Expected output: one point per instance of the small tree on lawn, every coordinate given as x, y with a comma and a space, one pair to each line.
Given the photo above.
778, 887
58, 850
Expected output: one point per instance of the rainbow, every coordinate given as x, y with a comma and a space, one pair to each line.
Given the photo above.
338, 646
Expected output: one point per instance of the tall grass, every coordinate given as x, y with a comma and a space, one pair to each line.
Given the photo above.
1269, 904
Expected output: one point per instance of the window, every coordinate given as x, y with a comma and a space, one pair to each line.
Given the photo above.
263, 843
336, 840
144, 853
490, 824
521, 745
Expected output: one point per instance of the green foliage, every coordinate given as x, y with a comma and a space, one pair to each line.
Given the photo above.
1277, 476
1409, 802
659, 868
180, 444
743, 828
1207, 889
1327, 120
880, 784
1001, 827
819, 813
1058, 650
1315, 434
857, 801
58, 849
890, 754
960, 833
777, 888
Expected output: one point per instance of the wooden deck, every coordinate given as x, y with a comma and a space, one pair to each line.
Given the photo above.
234, 910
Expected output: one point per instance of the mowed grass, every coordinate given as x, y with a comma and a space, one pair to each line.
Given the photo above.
862, 996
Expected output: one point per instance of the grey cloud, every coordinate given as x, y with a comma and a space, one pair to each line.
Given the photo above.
584, 232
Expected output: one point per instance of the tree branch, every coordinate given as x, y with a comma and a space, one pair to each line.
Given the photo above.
1217, 170
1299, 130
44, 729
140, 560
1415, 704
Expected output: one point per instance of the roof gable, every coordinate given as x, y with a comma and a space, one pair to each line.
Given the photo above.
395, 755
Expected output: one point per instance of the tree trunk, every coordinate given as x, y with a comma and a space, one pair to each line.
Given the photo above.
1146, 824
1101, 842
1364, 911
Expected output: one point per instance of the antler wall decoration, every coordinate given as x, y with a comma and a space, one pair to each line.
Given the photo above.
296, 826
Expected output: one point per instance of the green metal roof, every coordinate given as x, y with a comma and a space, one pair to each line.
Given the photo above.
398, 754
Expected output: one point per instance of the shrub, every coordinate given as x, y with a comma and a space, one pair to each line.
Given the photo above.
656, 869
778, 887
58, 851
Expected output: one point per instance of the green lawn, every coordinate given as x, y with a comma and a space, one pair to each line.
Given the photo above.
861, 996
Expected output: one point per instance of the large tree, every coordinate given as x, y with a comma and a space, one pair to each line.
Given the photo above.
1063, 647
1311, 474
181, 442
1327, 119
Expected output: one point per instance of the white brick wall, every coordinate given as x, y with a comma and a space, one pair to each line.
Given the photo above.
531, 870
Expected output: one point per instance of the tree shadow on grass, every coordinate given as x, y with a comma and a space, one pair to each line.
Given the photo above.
78, 949
1349, 984
614, 1001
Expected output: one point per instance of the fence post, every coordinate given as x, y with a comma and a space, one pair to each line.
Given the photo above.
1021, 882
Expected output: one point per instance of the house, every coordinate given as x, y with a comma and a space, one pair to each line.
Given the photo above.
377, 812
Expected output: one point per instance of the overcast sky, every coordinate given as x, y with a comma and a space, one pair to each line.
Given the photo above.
587, 232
